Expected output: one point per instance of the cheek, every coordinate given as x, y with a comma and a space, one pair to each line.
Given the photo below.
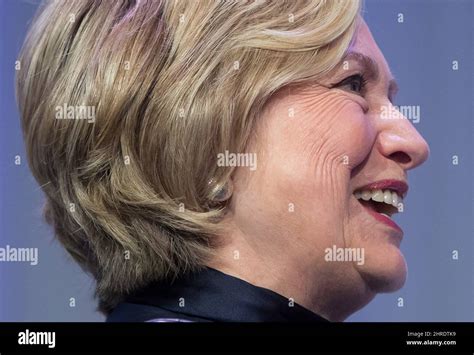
302, 178
352, 135
336, 127
324, 138
308, 156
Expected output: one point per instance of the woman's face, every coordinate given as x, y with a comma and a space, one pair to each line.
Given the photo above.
317, 147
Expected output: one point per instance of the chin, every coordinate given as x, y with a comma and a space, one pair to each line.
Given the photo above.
384, 271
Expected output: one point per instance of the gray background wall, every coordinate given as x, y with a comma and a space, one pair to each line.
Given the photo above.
439, 214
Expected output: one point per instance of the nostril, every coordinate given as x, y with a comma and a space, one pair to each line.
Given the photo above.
400, 157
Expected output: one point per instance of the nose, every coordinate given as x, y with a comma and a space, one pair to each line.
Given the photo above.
400, 141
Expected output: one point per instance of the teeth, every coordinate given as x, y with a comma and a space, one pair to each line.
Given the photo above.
395, 199
378, 196
386, 196
366, 195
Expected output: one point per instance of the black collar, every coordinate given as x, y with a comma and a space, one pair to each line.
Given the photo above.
215, 296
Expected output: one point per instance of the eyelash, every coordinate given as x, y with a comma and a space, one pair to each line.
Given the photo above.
349, 80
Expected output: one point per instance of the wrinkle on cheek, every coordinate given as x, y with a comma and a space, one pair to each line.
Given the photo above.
321, 132
332, 177
326, 128
326, 120
329, 126
339, 128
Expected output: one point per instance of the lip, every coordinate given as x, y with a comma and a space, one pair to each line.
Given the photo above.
399, 186
385, 220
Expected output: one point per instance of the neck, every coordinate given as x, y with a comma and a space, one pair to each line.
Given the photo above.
333, 291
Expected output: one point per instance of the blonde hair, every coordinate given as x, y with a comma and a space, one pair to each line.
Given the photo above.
171, 84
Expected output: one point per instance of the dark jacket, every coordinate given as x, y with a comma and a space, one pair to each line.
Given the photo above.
209, 296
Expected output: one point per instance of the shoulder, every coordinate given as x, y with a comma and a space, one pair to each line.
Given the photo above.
132, 312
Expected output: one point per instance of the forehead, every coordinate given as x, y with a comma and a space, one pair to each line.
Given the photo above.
364, 43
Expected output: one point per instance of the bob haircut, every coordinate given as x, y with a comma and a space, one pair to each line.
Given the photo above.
167, 86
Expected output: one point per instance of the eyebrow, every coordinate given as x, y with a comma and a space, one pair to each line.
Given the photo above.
371, 70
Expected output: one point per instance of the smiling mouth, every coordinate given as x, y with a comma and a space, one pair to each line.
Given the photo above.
382, 200
385, 202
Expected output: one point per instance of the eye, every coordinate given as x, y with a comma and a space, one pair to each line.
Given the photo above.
354, 83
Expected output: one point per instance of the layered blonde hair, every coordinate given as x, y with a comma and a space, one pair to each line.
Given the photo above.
172, 84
